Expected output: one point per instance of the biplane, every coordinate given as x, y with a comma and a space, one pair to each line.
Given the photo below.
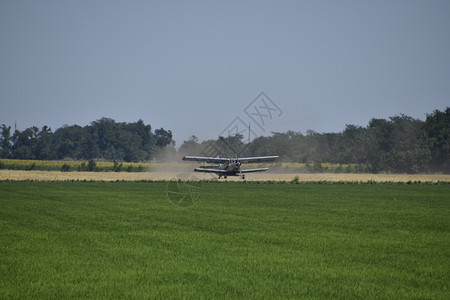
224, 167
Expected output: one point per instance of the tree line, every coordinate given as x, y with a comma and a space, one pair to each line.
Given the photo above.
104, 139
399, 144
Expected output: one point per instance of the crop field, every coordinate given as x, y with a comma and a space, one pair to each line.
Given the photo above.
238, 240
28, 164
68, 165
21, 175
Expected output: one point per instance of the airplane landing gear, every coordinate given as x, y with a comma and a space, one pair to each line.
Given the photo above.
243, 176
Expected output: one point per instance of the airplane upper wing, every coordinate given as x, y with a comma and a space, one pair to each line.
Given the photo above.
258, 159
216, 160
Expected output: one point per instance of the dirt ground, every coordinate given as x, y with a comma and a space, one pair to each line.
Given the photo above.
138, 176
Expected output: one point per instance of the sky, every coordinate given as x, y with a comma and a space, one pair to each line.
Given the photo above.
206, 68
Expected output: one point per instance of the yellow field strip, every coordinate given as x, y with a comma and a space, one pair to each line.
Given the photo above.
19, 175
158, 165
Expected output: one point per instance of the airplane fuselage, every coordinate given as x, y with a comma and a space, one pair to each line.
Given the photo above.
231, 168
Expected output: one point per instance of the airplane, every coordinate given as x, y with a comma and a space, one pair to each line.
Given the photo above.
228, 166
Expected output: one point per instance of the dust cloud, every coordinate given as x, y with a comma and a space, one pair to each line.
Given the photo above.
169, 162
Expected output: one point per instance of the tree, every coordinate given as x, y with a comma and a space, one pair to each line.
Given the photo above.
190, 147
5, 142
354, 145
101, 139
163, 138
409, 152
24, 143
44, 145
437, 128
231, 146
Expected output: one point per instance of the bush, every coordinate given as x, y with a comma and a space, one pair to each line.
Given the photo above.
65, 168
296, 180
82, 167
117, 167
91, 166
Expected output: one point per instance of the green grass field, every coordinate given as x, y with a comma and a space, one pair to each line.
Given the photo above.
126, 240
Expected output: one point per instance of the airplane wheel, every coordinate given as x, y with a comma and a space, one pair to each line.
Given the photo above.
225, 177
243, 176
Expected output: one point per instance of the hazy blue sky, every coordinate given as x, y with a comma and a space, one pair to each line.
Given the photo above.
193, 66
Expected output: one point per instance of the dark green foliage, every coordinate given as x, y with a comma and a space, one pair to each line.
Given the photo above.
32, 167
91, 166
163, 138
400, 144
102, 139
117, 166
82, 167
296, 180
135, 169
79, 240
65, 168
5, 142
190, 147
25, 143
437, 127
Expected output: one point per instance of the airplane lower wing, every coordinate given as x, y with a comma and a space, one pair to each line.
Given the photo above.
205, 170
254, 170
